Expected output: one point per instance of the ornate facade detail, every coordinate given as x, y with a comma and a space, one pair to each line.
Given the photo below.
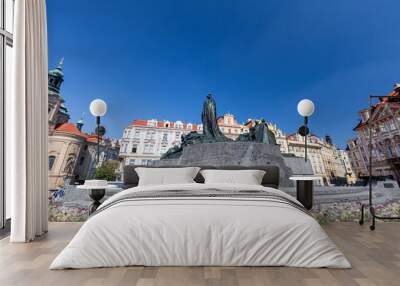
385, 123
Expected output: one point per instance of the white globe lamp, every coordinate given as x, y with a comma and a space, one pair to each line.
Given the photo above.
98, 108
305, 108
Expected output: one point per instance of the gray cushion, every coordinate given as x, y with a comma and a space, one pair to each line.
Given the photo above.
270, 179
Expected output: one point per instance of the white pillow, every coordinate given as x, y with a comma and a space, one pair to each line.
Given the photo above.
248, 177
166, 176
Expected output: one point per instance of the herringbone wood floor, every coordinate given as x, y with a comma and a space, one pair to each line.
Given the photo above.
375, 257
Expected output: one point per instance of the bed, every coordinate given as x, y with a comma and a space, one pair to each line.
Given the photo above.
201, 224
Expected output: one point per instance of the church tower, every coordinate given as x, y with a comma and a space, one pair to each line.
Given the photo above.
56, 78
57, 113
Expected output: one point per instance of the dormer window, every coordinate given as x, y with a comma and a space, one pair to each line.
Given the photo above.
178, 125
152, 123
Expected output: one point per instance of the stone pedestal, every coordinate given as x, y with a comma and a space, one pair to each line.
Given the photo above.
240, 154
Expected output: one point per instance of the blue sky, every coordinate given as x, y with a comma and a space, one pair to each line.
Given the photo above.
159, 59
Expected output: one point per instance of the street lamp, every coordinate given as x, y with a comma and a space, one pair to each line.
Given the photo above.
305, 108
98, 108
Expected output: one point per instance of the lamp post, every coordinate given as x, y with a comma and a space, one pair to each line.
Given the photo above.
98, 108
305, 108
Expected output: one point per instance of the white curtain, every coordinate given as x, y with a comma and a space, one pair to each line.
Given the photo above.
26, 117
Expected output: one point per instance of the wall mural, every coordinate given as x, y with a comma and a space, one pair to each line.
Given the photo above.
342, 175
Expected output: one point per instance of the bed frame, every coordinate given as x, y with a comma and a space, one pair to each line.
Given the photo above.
270, 179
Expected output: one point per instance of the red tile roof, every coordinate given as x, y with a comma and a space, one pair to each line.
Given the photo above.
138, 123
92, 138
70, 128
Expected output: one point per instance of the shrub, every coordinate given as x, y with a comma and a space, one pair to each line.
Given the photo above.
107, 171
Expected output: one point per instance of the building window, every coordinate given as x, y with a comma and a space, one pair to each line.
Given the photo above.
134, 148
52, 159
150, 135
148, 148
137, 133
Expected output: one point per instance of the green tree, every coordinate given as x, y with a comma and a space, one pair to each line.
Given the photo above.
107, 170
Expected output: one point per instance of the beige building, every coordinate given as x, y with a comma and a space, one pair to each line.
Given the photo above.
350, 173
230, 127
296, 146
66, 144
332, 161
280, 138
72, 153
327, 161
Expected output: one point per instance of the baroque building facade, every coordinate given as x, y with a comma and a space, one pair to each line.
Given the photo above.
146, 140
385, 128
230, 127
72, 153
296, 146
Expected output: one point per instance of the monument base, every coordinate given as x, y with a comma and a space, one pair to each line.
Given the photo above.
246, 154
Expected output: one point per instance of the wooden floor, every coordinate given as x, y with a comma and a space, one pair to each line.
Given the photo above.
375, 257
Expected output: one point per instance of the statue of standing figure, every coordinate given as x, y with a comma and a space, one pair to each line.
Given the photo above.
211, 131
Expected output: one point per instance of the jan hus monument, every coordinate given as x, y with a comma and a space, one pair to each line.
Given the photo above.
212, 148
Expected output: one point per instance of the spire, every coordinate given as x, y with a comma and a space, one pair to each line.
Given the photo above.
61, 63
56, 78
80, 123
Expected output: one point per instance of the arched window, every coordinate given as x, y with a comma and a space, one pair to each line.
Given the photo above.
69, 166
52, 159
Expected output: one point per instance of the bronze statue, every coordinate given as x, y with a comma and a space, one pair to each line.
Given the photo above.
258, 133
211, 132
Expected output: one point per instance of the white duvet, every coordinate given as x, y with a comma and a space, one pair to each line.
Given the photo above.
199, 231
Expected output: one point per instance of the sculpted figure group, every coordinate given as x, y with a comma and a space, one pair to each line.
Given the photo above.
211, 132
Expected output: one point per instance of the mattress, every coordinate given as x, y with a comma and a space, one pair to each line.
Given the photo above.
201, 225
